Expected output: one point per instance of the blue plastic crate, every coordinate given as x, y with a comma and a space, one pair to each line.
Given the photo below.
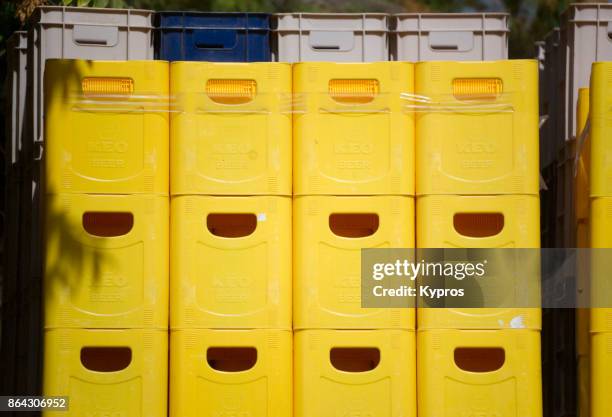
220, 37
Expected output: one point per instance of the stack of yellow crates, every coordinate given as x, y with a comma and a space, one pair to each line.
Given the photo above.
600, 221
581, 204
106, 266
477, 187
231, 278
353, 188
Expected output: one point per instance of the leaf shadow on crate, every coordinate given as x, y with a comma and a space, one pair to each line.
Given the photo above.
64, 234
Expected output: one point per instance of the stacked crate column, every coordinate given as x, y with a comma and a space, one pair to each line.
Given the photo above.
477, 187
231, 269
106, 235
353, 189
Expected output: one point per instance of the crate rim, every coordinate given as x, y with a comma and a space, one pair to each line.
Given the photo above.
330, 14
109, 10
448, 14
201, 13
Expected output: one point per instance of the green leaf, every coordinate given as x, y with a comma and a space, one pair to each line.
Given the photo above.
101, 3
83, 3
66, 2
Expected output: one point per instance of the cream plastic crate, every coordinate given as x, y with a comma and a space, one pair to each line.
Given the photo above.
449, 36
17, 46
337, 37
551, 93
588, 27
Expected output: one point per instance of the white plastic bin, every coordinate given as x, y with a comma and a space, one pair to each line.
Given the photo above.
16, 47
338, 37
552, 91
589, 39
449, 36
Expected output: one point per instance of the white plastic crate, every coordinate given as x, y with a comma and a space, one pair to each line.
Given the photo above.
338, 37
552, 91
588, 28
449, 36
16, 48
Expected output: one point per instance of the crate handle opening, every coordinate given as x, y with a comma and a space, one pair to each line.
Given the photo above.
231, 91
478, 225
106, 359
355, 91
477, 88
334, 41
479, 359
231, 359
451, 41
354, 359
353, 225
95, 35
111, 86
231, 225
215, 38
108, 224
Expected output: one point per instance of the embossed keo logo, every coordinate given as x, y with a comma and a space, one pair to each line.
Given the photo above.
353, 148
107, 146
476, 147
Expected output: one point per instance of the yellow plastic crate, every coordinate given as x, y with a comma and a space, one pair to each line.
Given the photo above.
329, 233
504, 221
351, 132
582, 170
106, 263
231, 373
107, 372
479, 372
584, 386
107, 127
601, 287
601, 369
477, 127
231, 262
231, 133
600, 110
355, 373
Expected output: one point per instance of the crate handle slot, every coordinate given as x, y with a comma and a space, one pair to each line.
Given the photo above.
215, 39
106, 359
353, 225
478, 225
231, 91
451, 41
231, 359
95, 35
108, 224
477, 88
353, 91
479, 359
334, 41
107, 86
231, 225
354, 359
